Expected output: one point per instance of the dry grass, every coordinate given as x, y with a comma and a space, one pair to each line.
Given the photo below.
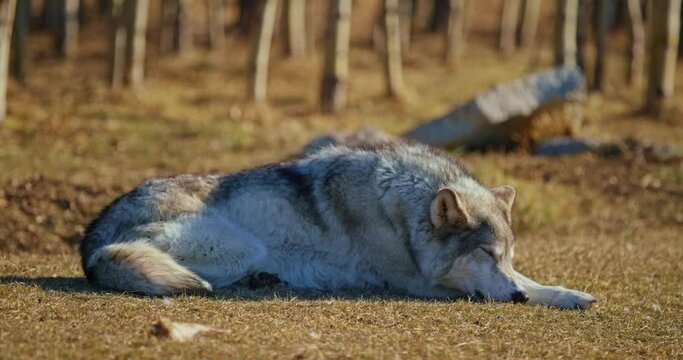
612, 227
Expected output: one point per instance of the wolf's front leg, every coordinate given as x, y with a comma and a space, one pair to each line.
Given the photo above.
555, 296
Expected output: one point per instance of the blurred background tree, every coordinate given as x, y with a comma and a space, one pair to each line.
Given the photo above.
300, 26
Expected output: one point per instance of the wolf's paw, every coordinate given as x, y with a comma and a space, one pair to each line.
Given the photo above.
572, 299
262, 279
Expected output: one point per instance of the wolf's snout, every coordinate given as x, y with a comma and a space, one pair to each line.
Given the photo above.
520, 297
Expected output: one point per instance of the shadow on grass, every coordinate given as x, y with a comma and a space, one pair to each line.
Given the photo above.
239, 292
283, 292
58, 283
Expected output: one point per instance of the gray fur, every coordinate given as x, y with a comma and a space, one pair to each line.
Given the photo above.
340, 218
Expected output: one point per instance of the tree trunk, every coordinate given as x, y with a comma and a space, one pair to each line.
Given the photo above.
532, 10
296, 28
167, 32
82, 14
583, 25
248, 16
405, 8
508, 26
67, 35
184, 33
422, 10
315, 24
439, 18
455, 34
51, 14
104, 6
7, 8
336, 68
136, 42
664, 31
216, 23
637, 51
19, 35
565, 32
392, 56
119, 36
379, 31
600, 13
261, 52
176, 28
680, 35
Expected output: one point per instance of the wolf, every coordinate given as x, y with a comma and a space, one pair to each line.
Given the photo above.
398, 216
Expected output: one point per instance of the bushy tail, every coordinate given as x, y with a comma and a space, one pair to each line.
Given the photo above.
141, 268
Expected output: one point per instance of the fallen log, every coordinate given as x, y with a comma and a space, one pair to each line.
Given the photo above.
517, 113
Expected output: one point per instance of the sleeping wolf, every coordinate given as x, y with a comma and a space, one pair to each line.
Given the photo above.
400, 216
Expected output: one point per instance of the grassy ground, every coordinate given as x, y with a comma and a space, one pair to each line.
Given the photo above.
609, 226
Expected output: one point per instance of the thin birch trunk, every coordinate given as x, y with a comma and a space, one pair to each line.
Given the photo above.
176, 33
248, 16
422, 10
565, 32
296, 28
405, 8
184, 33
104, 6
67, 37
379, 36
19, 37
336, 68
136, 42
315, 24
439, 16
392, 56
455, 33
663, 47
169, 14
7, 9
583, 25
52, 10
532, 10
600, 12
261, 53
508, 26
119, 36
216, 23
637, 50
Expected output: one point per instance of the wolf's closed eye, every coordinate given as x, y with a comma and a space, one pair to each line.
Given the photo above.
488, 252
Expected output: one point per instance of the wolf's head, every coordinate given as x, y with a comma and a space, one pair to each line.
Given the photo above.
471, 243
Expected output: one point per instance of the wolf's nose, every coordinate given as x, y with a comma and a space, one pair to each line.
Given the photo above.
520, 297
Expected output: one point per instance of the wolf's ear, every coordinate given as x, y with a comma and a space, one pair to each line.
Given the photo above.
448, 209
506, 194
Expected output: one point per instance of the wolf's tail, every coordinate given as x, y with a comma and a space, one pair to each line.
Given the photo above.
141, 268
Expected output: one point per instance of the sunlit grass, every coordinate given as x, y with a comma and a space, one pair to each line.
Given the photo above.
611, 227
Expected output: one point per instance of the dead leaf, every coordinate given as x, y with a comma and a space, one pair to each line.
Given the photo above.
178, 331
